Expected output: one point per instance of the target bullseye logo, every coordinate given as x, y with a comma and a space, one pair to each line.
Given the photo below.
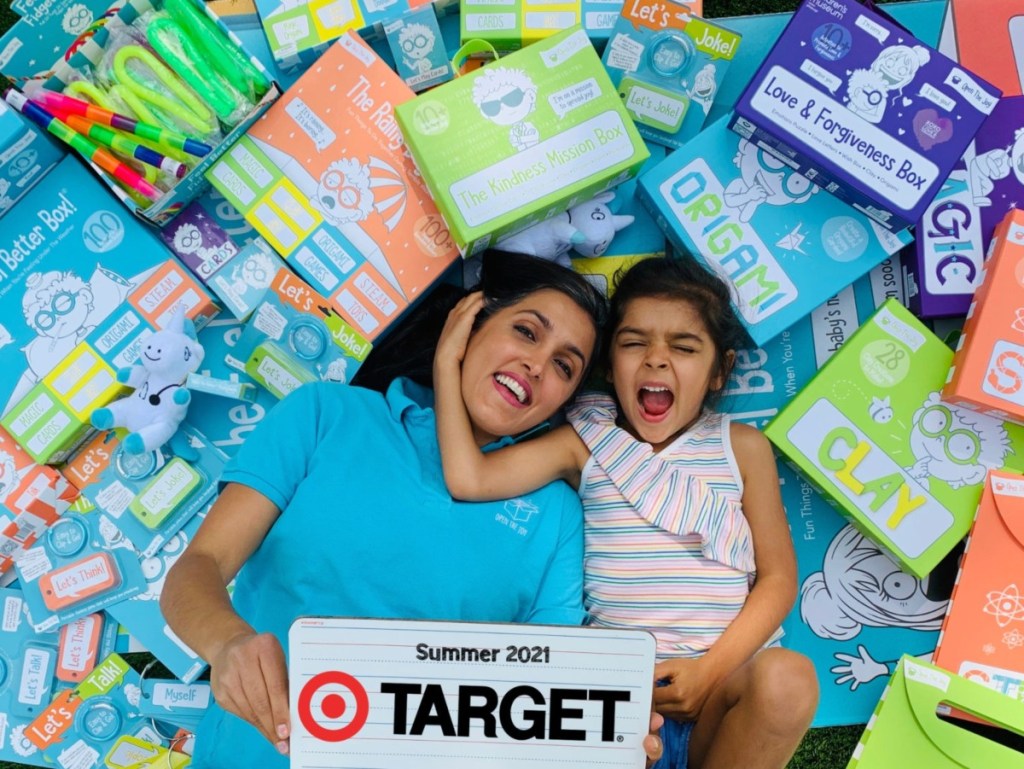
333, 706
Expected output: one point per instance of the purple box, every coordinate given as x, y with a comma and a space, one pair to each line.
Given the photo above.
954, 232
863, 108
199, 241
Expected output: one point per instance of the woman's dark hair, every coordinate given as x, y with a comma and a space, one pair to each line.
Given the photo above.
683, 279
505, 279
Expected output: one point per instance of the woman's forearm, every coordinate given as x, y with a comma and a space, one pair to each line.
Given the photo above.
197, 607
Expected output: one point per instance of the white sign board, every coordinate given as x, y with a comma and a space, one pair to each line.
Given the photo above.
391, 694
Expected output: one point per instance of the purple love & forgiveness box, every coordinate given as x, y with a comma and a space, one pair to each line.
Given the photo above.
862, 108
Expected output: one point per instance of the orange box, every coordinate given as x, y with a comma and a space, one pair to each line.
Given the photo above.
990, 41
326, 179
982, 636
988, 368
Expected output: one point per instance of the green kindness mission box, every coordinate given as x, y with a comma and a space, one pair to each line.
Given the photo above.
521, 139
872, 433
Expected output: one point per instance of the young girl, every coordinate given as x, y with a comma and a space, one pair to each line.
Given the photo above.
682, 510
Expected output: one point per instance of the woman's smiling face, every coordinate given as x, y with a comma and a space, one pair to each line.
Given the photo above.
524, 363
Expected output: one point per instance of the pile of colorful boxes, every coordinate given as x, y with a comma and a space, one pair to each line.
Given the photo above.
854, 175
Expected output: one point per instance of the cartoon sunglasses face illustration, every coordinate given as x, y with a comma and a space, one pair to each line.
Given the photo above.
512, 99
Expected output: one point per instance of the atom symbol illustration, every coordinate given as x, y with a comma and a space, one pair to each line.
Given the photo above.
1013, 638
1005, 605
1018, 320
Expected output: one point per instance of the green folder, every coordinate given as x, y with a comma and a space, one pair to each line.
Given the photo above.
906, 731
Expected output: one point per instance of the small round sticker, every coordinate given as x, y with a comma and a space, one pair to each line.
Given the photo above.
844, 238
307, 339
67, 537
669, 55
134, 466
885, 362
431, 118
100, 720
831, 41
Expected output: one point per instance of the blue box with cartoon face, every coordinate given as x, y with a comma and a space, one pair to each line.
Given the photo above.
68, 260
782, 244
864, 108
25, 157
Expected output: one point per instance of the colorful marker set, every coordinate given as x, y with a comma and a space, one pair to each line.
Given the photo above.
90, 130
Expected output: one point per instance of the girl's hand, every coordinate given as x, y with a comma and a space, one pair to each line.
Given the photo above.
689, 683
451, 346
249, 678
652, 742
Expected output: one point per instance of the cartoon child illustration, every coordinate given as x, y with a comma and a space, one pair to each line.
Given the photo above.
255, 271
113, 537
983, 170
880, 410
506, 96
764, 179
336, 371
704, 87
894, 68
859, 586
417, 42
56, 306
343, 193
954, 445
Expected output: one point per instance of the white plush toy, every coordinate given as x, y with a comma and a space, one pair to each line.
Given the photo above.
160, 401
587, 229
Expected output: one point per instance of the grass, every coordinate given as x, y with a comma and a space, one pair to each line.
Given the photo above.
828, 748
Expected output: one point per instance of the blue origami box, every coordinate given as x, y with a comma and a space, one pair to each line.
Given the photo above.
760, 225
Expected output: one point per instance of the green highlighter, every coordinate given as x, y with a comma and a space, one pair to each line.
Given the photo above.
906, 731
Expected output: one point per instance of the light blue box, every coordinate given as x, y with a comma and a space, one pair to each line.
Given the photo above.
69, 259
242, 281
25, 157
782, 244
418, 47
643, 236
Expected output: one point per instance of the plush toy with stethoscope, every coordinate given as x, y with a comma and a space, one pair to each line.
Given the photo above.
153, 412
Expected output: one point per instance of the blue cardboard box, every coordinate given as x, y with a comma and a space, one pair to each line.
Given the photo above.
761, 226
68, 260
25, 157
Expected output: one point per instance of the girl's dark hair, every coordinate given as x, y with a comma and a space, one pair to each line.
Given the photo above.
683, 279
505, 279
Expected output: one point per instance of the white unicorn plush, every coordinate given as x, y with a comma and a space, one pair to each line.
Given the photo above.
160, 401
587, 229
